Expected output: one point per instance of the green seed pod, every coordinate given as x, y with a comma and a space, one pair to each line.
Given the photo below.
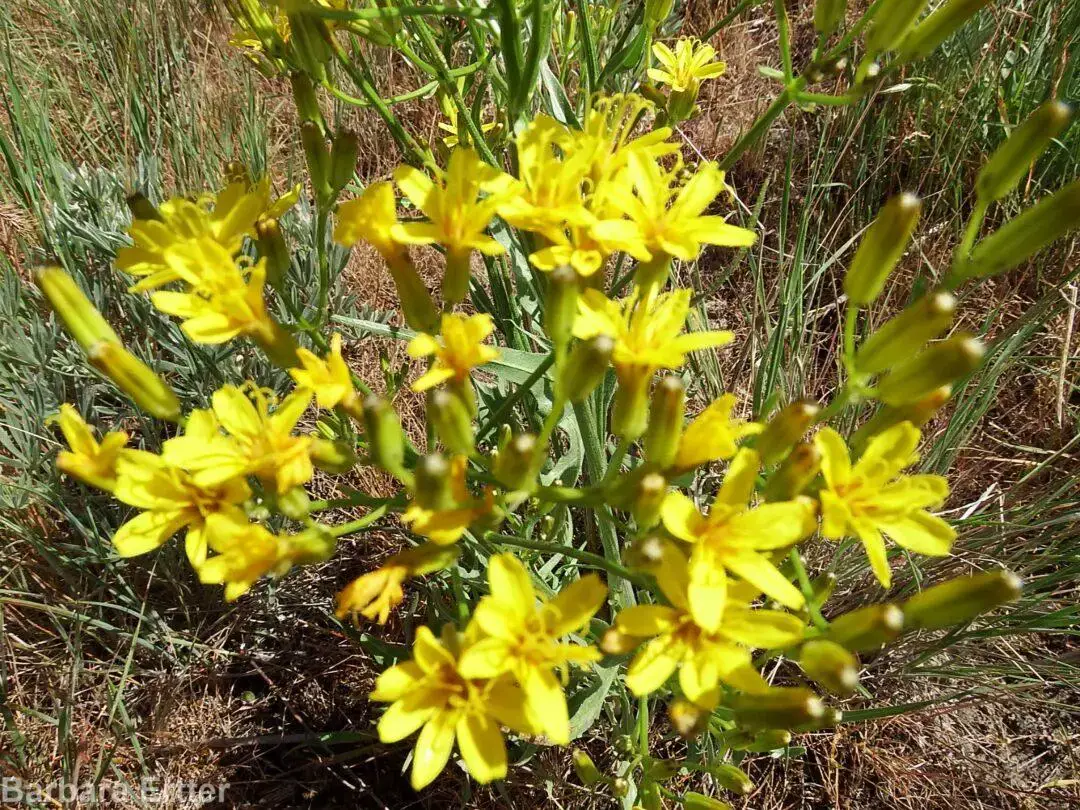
561, 306
1011, 160
334, 457
272, 247
585, 768
881, 248
81, 318
935, 29
343, 155
666, 416
318, 158
136, 379
770, 740
785, 428
918, 413
386, 442
830, 718
294, 504
687, 719
899, 338
731, 777
828, 14
940, 364
648, 496
794, 474
305, 98
830, 665
630, 410
432, 487
892, 23
416, 303
867, 628
1020, 238
455, 285
585, 367
620, 787
142, 208
960, 600
452, 421
516, 465
699, 801
780, 707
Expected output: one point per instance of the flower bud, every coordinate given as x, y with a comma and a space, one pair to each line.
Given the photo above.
455, 286
1022, 237
935, 29
938, 365
1023, 147
620, 787
294, 504
784, 429
687, 719
585, 768
142, 208
794, 474
277, 344
918, 413
881, 248
830, 665
516, 465
899, 338
272, 247
386, 442
656, 11
830, 717
305, 99
452, 421
770, 740
585, 367
616, 642
732, 777
318, 158
867, 628
648, 496
828, 14
343, 155
960, 600
560, 309
416, 304
699, 801
432, 485
136, 379
780, 707
334, 457
313, 545
630, 411
892, 22
666, 416
309, 43
81, 318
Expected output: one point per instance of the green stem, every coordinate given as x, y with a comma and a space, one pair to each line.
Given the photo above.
496, 418
729, 18
850, 316
761, 125
595, 560
322, 306
358, 525
643, 725
784, 29
391, 12
358, 499
615, 462
807, 590
589, 48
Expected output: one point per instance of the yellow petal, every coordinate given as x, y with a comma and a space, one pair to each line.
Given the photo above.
575, 604
653, 665
681, 517
645, 620
395, 682
146, 532
707, 592
920, 532
511, 586
408, 714
761, 573
237, 413
739, 480
547, 703
763, 629
433, 748
482, 747
874, 544
772, 525
835, 461
487, 658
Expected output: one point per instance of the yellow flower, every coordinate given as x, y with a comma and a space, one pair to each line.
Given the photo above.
328, 377
733, 538
258, 443
90, 461
445, 525
375, 594
523, 638
685, 68
371, 217
432, 693
458, 349
713, 435
704, 656
669, 221
246, 553
872, 498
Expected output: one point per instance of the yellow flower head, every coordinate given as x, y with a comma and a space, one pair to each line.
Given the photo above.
737, 539
523, 638
433, 694
259, 442
375, 594
685, 68
246, 553
713, 435
579, 250
90, 461
871, 498
444, 524
704, 656
450, 126
457, 351
329, 378
371, 218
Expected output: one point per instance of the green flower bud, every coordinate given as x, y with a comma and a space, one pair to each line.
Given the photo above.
867, 628
455, 286
666, 416
630, 411
294, 504
452, 421
343, 155
1011, 160
620, 787
309, 43
1020, 238
416, 303
784, 429
386, 442
770, 740
585, 367
142, 208
680, 106
656, 11
305, 98
732, 777
648, 496
918, 413
780, 707
830, 665
334, 457
318, 158
892, 22
432, 487
831, 717
794, 474
81, 318
881, 248
899, 338
516, 465
686, 718
935, 29
314, 545
828, 14
699, 801
136, 379
272, 247
960, 600
939, 365
585, 768
561, 306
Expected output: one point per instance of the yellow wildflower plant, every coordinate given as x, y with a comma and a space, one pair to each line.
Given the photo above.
375, 594
88, 460
372, 218
445, 523
734, 538
713, 435
871, 500
327, 377
705, 657
522, 638
457, 350
687, 66
434, 694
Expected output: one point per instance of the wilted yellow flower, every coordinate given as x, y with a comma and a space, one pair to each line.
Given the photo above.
90, 461
735, 538
872, 498
445, 523
523, 638
704, 656
685, 68
458, 349
259, 442
328, 377
375, 594
431, 693
713, 435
